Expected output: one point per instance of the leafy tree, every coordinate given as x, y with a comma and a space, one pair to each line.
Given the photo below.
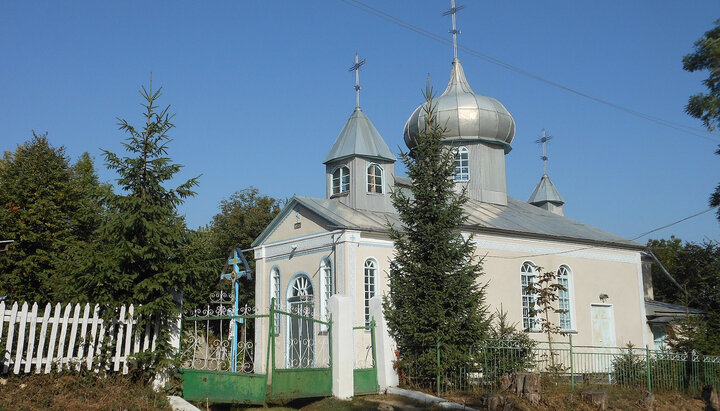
696, 267
49, 208
706, 56
140, 256
242, 218
434, 292
706, 107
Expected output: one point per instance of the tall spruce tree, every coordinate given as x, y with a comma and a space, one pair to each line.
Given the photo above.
434, 296
140, 259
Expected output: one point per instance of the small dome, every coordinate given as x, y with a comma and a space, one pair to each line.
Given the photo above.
466, 116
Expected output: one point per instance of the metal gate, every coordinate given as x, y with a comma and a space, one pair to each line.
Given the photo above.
365, 369
218, 358
301, 355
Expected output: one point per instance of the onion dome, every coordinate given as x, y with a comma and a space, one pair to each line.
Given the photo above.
466, 116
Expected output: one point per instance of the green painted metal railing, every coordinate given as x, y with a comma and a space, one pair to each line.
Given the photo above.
491, 363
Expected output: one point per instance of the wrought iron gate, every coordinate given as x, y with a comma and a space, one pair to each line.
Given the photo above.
218, 353
301, 353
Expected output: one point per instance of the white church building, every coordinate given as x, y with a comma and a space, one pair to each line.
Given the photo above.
317, 247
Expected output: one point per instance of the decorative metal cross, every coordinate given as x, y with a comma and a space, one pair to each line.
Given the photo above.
454, 31
234, 261
356, 68
543, 140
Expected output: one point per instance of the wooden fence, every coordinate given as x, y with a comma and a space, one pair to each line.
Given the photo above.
70, 339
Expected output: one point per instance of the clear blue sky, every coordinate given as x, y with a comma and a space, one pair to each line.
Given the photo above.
261, 89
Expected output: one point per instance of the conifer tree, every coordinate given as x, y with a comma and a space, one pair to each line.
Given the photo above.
49, 207
434, 296
140, 259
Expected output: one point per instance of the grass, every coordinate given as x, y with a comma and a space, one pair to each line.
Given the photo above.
77, 392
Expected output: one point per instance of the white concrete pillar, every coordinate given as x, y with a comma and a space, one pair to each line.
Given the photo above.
387, 375
341, 337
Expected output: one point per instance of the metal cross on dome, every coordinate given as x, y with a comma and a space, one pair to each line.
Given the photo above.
235, 260
543, 140
356, 68
454, 31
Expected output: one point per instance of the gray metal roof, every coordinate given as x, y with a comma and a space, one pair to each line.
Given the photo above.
359, 137
544, 192
518, 219
659, 312
466, 116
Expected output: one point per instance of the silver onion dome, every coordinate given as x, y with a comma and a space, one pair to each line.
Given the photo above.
466, 116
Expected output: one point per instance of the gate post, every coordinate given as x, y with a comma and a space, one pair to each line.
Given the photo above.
387, 375
342, 356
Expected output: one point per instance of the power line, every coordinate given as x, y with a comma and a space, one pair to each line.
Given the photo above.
593, 246
441, 39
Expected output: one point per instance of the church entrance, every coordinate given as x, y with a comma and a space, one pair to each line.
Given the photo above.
301, 329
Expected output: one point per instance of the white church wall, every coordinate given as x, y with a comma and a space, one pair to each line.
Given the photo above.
594, 271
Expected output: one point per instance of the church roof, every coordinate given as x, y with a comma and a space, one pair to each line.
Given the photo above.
545, 192
359, 137
518, 218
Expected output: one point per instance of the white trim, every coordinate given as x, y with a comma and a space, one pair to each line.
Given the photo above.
534, 275
278, 302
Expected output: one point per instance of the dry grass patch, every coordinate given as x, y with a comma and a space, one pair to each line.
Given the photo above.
77, 392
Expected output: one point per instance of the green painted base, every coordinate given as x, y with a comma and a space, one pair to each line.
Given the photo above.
365, 381
301, 383
224, 387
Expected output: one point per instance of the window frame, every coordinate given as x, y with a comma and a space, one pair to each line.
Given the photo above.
327, 287
275, 292
374, 187
341, 183
530, 324
567, 324
370, 272
458, 175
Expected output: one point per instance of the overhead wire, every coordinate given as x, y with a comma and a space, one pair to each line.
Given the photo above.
442, 39
594, 246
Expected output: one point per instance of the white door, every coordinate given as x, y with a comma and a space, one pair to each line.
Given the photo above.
603, 335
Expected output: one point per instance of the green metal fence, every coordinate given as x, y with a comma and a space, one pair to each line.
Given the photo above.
575, 366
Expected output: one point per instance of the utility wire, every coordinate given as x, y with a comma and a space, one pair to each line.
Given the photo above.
593, 246
441, 39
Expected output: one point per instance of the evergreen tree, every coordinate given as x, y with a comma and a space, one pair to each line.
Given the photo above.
139, 258
49, 208
434, 291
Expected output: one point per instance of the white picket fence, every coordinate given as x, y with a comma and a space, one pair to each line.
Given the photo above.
71, 338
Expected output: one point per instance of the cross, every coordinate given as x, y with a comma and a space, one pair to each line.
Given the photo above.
454, 30
238, 272
356, 68
543, 140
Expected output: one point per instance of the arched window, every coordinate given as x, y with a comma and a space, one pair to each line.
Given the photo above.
565, 297
300, 352
527, 277
275, 294
374, 179
371, 270
341, 180
462, 164
327, 281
